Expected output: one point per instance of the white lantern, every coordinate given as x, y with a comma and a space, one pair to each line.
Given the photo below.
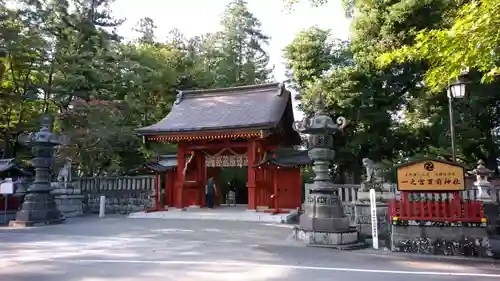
457, 90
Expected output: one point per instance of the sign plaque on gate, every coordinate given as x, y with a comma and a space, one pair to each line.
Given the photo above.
430, 175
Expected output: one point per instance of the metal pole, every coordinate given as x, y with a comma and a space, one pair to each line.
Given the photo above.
452, 130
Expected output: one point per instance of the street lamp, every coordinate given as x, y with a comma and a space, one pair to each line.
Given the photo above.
456, 90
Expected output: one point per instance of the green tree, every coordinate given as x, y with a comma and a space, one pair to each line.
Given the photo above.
382, 27
371, 98
242, 59
310, 56
470, 42
103, 140
146, 28
63, 57
23, 50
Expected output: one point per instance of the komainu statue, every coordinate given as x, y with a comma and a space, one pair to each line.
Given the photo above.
374, 175
374, 171
64, 174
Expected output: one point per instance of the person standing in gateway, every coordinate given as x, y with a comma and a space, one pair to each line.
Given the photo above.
210, 192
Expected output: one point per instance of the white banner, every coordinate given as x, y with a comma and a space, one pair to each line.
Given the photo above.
373, 210
7, 186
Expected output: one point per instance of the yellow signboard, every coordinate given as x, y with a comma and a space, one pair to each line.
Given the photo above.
430, 175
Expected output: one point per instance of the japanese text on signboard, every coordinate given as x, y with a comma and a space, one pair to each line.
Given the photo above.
430, 176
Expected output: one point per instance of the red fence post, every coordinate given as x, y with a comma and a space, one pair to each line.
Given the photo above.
468, 209
481, 210
457, 206
406, 209
422, 210
430, 211
431, 208
452, 209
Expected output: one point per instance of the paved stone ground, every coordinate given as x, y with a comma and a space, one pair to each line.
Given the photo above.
238, 213
118, 248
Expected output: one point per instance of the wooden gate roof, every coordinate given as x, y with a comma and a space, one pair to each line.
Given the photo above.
255, 107
159, 165
8, 168
286, 157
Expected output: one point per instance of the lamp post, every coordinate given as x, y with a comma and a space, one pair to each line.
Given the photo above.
456, 90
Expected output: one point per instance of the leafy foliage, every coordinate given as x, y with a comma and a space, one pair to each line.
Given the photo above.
470, 43
244, 60
388, 81
64, 58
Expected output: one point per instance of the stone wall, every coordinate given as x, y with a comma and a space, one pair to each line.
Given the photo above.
454, 241
349, 211
348, 194
123, 194
363, 220
68, 199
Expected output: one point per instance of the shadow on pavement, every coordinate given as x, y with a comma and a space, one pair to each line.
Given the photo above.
116, 248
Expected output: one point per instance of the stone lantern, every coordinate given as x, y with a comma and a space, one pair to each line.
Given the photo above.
39, 205
482, 184
323, 222
490, 205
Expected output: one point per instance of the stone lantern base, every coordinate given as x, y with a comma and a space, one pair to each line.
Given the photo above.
37, 208
324, 223
342, 240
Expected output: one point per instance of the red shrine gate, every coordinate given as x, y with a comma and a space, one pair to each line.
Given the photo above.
249, 126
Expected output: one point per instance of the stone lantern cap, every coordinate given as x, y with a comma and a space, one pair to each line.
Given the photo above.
320, 123
44, 136
481, 170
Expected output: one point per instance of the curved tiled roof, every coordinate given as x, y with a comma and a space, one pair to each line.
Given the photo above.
246, 107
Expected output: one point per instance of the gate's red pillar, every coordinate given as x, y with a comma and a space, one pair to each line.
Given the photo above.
169, 187
276, 190
179, 181
157, 191
166, 195
202, 178
251, 174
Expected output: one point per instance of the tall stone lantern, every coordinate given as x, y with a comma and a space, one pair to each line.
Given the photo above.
482, 184
323, 222
39, 205
490, 206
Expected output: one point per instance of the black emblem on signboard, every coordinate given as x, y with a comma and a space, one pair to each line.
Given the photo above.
429, 166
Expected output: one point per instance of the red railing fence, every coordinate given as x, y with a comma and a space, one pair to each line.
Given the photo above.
435, 207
